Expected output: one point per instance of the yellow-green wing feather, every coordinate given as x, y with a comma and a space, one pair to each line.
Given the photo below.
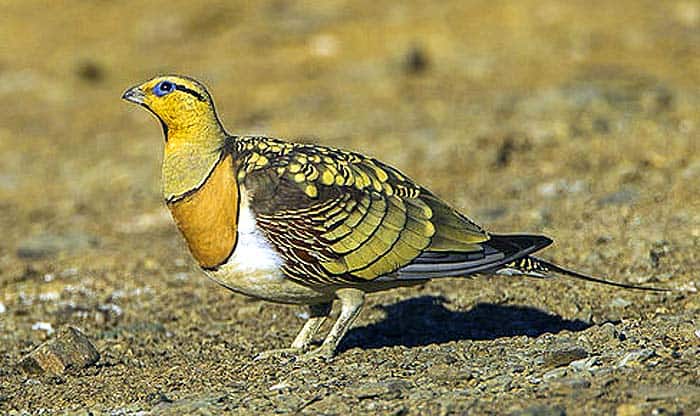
338, 217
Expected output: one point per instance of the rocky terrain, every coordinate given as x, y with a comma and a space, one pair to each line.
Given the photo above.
579, 120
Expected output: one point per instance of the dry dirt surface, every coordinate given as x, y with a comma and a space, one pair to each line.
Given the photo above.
579, 120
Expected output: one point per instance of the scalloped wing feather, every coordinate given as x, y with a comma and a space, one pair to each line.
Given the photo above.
340, 217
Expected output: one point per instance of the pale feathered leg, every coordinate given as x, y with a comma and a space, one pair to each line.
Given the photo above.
351, 301
317, 315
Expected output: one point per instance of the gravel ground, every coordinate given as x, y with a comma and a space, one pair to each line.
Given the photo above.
575, 119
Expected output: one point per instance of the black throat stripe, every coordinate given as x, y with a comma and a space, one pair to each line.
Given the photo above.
191, 92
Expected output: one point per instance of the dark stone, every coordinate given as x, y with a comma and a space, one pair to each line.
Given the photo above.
70, 350
563, 356
416, 61
505, 152
90, 71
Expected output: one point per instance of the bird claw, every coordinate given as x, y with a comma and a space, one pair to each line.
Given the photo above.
278, 353
322, 353
296, 354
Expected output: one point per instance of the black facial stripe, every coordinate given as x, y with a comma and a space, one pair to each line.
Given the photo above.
193, 93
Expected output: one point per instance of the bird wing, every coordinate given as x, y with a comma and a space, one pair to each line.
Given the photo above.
338, 217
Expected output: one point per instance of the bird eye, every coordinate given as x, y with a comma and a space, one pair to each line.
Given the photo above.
164, 87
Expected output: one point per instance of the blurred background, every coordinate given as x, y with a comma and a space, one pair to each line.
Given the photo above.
577, 119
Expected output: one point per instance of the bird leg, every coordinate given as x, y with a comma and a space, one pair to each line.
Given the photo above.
317, 315
351, 301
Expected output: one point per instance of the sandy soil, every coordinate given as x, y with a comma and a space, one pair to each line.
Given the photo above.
575, 119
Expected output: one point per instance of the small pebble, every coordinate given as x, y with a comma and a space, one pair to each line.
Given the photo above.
43, 326
49, 296
116, 310
416, 61
620, 303
608, 330
90, 71
69, 350
563, 356
554, 374
3, 309
585, 364
279, 386
390, 389
181, 276
637, 356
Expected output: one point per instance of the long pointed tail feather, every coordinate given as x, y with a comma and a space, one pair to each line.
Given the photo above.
497, 251
533, 266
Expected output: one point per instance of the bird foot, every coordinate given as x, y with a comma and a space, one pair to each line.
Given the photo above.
297, 354
321, 353
278, 353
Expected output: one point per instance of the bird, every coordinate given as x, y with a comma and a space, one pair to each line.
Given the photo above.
305, 224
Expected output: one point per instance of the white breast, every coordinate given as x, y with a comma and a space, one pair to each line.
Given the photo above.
253, 253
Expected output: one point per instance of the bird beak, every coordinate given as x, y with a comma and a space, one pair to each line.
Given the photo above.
135, 95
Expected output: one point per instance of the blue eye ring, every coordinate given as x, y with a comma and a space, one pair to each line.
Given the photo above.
163, 88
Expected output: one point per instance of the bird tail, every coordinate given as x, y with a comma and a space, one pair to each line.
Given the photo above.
536, 267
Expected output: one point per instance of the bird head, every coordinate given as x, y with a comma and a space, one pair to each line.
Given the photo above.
181, 104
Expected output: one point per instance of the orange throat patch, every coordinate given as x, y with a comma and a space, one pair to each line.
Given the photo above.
208, 217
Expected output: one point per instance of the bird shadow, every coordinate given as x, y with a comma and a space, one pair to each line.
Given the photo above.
425, 320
